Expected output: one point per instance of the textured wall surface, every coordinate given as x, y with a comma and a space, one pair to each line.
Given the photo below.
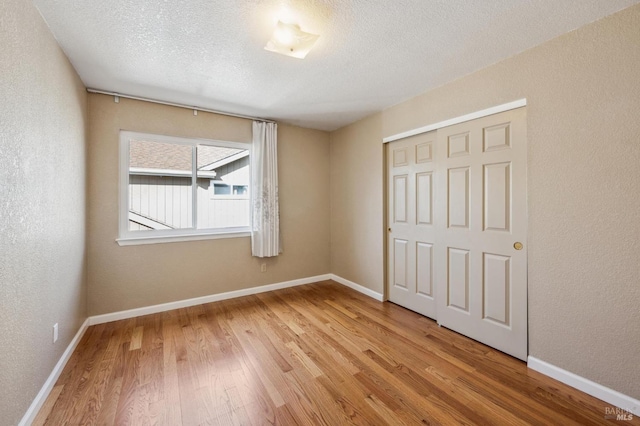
583, 95
42, 205
134, 276
356, 197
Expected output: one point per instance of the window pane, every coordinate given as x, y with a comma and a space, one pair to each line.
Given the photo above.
221, 189
220, 171
240, 190
160, 186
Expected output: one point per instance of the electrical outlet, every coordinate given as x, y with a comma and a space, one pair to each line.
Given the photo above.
55, 332
263, 267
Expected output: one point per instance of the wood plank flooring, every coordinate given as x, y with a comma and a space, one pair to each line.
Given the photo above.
320, 354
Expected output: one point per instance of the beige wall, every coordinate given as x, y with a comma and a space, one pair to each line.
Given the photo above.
356, 200
583, 127
135, 276
42, 205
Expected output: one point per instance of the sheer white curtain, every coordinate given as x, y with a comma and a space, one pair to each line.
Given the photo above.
265, 235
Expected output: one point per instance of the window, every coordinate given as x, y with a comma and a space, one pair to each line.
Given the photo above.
222, 189
177, 188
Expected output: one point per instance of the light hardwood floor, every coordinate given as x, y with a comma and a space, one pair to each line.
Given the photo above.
317, 354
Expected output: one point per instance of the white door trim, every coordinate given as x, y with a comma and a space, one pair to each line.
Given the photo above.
461, 119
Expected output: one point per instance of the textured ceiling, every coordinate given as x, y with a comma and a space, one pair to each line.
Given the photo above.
371, 53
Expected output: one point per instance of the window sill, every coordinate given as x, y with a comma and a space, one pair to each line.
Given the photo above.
134, 241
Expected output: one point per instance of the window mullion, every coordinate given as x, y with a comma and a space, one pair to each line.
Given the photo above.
194, 187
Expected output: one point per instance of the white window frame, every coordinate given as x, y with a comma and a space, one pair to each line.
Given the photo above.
128, 237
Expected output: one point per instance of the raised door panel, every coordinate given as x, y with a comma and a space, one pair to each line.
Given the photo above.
497, 197
424, 269
400, 157
424, 152
458, 206
496, 282
496, 137
400, 199
424, 198
458, 279
400, 258
458, 145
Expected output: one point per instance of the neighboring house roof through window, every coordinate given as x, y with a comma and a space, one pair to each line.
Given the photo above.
165, 156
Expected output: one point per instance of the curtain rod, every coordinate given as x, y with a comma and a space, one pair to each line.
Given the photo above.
194, 108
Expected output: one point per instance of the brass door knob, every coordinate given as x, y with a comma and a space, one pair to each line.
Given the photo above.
517, 245
389, 229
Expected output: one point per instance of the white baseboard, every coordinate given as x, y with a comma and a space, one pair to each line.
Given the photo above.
585, 385
39, 400
132, 313
359, 288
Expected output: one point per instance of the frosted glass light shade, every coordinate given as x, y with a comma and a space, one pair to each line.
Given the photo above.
290, 40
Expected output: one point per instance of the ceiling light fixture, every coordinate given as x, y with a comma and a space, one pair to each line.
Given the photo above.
290, 40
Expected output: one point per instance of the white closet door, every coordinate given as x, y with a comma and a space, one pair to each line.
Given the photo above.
481, 227
410, 176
